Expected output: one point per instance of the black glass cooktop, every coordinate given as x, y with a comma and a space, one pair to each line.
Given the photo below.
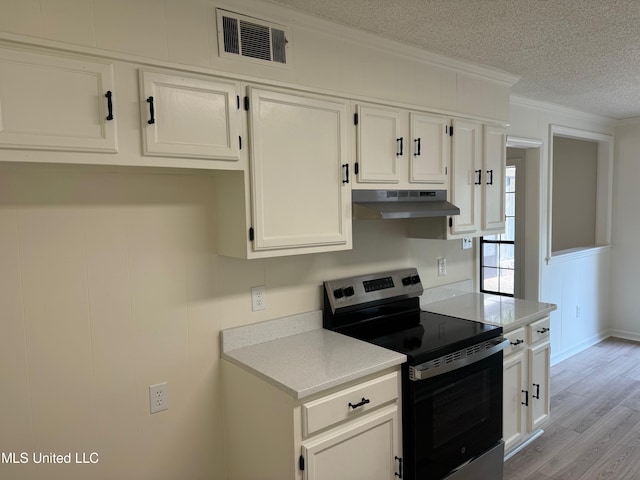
433, 335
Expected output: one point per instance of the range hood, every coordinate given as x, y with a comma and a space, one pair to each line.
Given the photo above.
401, 204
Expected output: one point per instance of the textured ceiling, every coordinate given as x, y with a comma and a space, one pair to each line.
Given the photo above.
583, 54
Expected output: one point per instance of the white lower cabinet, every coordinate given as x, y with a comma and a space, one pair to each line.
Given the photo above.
526, 401
361, 450
352, 432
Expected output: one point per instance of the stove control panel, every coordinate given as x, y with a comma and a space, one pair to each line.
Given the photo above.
354, 291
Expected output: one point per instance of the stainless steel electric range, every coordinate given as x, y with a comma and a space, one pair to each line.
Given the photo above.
452, 381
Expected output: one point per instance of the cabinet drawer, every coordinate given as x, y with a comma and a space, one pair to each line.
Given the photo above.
517, 341
539, 330
348, 403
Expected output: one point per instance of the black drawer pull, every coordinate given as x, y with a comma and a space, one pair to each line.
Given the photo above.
417, 142
364, 401
479, 182
109, 105
401, 142
543, 330
490, 172
537, 395
526, 398
152, 111
399, 472
517, 342
346, 170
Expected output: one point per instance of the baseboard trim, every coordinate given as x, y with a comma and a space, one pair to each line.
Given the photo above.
535, 434
560, 356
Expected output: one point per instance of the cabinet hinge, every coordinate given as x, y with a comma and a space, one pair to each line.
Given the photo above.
355, 119
356, 168
246, 103
251, 234
301, 462
238, 101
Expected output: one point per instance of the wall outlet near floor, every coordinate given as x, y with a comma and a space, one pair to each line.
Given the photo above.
442, 266
159, 397
467, 243
258, 298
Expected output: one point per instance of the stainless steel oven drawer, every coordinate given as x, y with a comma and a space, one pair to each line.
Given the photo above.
489, 465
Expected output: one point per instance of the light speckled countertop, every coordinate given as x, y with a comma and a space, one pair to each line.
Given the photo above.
307, 362
508, 312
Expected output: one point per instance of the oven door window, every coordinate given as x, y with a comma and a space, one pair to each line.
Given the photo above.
456, 416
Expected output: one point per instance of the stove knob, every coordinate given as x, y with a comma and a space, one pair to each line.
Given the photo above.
349, 291
406, 281
415, 279
338, 293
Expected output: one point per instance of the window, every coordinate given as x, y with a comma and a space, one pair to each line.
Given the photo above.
497, 252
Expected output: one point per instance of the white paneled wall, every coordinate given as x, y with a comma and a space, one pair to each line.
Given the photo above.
109, 283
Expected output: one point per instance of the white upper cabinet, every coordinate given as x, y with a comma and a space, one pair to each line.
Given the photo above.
300, 190
379, 145
51, 102
184, 116
402, 148
493, 185
430, 149
466, 164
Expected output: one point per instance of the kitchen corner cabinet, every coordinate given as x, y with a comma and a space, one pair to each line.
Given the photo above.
332, 435
299, 183
193, 117
526, 405
54, 102
401, 148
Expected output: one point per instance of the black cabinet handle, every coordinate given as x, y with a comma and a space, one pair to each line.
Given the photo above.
543, 330
364, 401
517, 342
479, 172
401, 142
490, 172
109, 105
417, 142
526, 398
537, 395
346, 171
399, 472
152, 111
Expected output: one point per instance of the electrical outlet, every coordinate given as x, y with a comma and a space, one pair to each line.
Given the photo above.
159, 397
442, 266
258, 298
467, 243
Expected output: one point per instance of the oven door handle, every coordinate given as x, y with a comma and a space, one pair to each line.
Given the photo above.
465, 357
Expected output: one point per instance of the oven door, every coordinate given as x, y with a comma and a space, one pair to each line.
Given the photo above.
452, 417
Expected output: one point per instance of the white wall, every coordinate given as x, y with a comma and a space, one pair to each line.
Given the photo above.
580, 284
625, 311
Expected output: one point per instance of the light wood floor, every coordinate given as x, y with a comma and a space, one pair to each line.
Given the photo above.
594, 431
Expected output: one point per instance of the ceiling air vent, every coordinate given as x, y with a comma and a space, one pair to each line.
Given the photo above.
252, 38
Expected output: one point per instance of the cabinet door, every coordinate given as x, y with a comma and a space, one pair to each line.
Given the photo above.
379, 145
514, 412
430, 149
49, 102
361, 450
539, 373
299, 171
466, 175
192, 117
494, 164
